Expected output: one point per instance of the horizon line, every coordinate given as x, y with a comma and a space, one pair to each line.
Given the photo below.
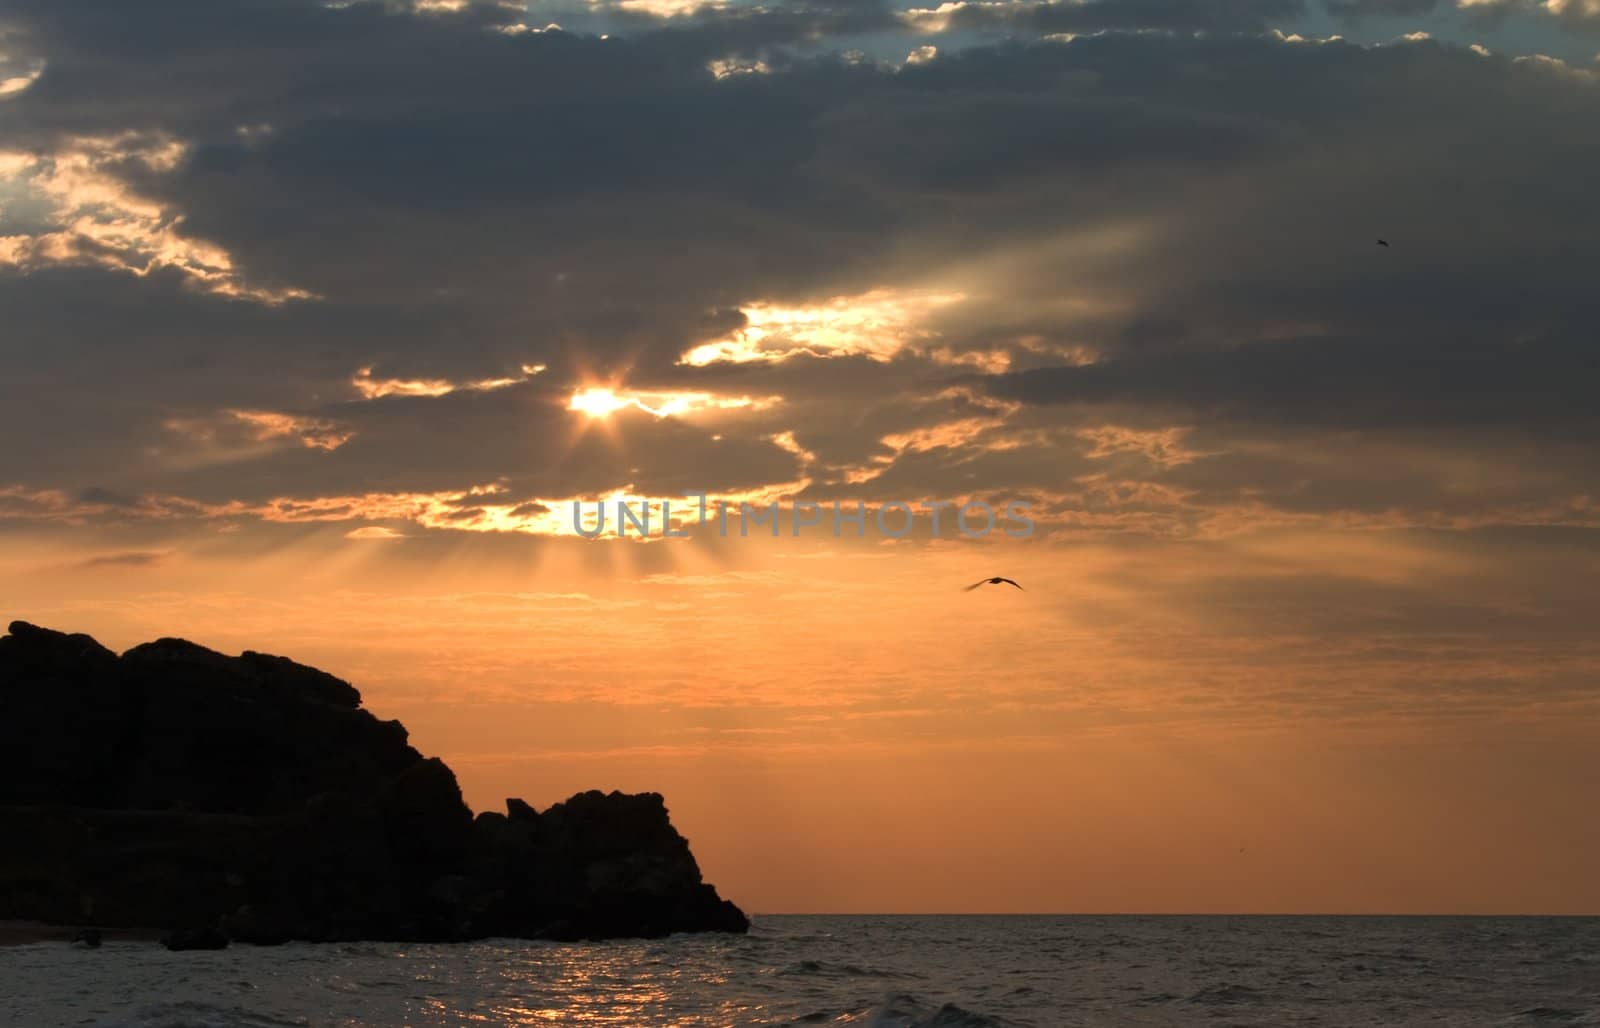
1002, 913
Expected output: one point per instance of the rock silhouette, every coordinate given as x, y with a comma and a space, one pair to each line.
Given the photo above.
195, 938
252, 798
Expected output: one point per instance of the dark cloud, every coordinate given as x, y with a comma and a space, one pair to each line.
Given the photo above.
1391, 428
933, 140
1543, 386
1379, 8
1109, 15
1511, 20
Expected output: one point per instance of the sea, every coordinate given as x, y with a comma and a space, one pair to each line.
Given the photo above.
884, 972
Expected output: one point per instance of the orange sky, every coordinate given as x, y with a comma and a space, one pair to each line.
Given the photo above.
1309, 722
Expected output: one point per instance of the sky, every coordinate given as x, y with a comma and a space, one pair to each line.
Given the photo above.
318, 318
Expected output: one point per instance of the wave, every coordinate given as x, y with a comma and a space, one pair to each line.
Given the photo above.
1227, 995
908, 1012
1555, 1014
194, 1014
823, 968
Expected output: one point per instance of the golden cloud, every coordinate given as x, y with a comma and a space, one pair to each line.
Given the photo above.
877, 324
97, 220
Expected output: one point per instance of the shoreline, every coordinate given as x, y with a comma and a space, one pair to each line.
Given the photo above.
28, 933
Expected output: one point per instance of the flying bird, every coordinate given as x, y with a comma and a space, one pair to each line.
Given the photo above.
991, 581
1383, 242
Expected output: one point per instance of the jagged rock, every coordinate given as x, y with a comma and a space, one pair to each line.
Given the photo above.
426, 820
174, 786
596, 866
267, 733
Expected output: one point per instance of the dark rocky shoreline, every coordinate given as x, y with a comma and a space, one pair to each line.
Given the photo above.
174, 788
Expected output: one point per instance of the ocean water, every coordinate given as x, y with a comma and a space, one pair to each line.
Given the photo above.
885, 972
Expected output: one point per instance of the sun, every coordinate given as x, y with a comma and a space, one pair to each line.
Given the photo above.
597, 403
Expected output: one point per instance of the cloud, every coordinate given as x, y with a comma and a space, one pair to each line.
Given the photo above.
372, 388
231, 428
1365, 8
384, 269
877, 324
1085, 16
92, 217
131, 558
17, 83
374, 532
599, 402
1163, 446
1540, 386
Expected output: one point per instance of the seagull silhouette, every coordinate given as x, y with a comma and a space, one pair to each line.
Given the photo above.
991, 581
1383, 242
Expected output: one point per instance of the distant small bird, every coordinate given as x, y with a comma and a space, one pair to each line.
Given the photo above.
1383, 242
991, 581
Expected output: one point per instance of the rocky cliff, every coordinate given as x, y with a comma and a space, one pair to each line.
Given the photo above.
173, 787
